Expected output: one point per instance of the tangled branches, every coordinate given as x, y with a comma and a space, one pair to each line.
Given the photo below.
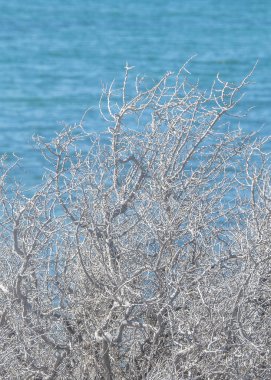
146, 255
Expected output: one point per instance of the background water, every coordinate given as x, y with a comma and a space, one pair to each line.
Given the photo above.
55, 54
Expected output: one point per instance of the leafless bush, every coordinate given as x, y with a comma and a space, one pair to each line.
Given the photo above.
148, 257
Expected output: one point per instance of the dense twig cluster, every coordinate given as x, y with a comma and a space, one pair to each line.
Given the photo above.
148, 256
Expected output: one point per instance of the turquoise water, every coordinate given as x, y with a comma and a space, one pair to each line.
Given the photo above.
56, 54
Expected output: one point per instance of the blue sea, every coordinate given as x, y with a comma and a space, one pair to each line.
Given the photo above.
55, 56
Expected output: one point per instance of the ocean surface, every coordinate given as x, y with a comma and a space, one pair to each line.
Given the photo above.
55, 55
